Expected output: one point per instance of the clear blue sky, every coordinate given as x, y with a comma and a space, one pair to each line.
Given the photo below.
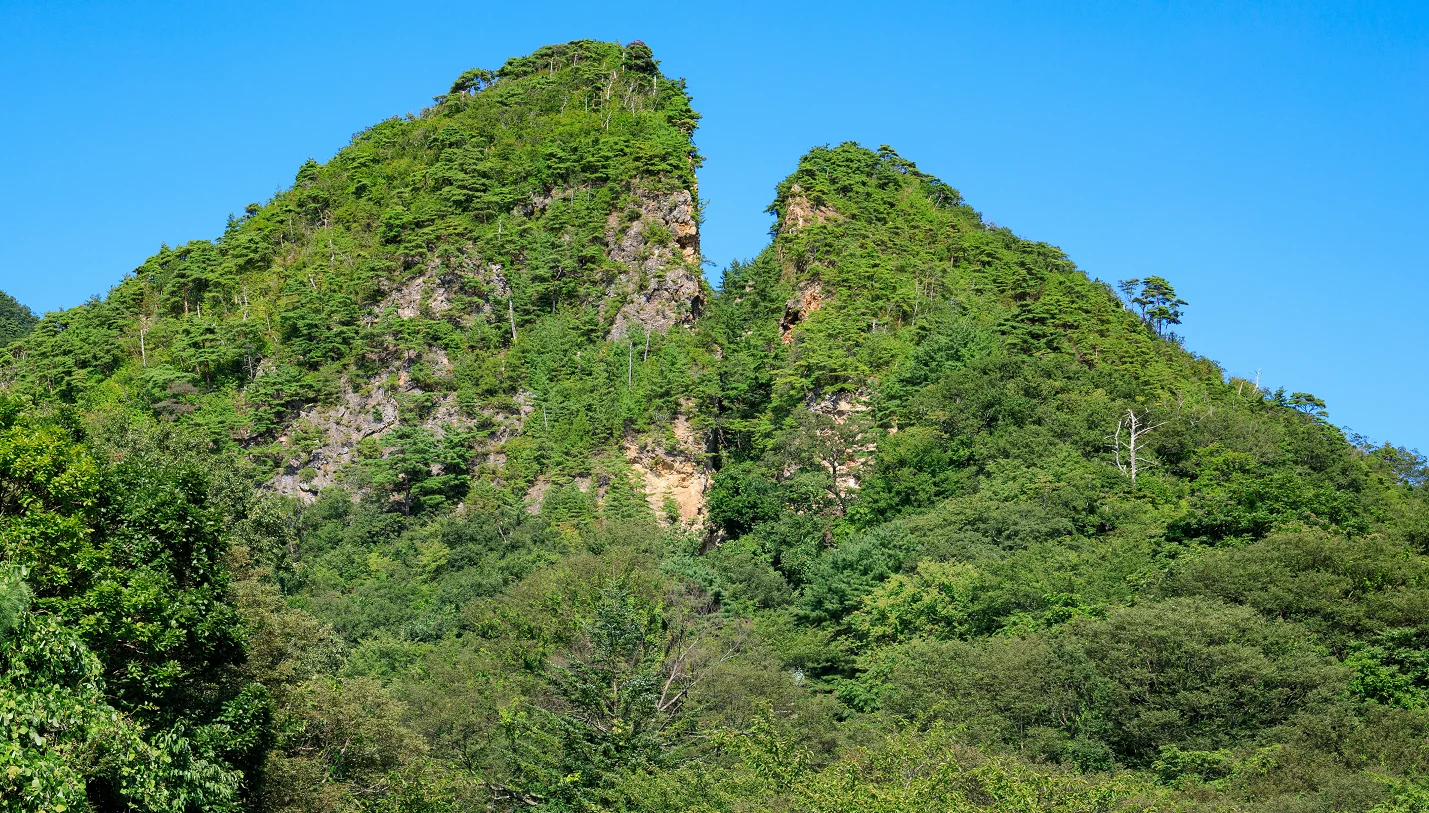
1271, 159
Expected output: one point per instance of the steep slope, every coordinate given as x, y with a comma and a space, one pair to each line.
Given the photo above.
923, 431
863, 529
446, 283
884, 294
872, 258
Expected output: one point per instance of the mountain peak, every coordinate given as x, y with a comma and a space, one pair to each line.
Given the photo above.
542, 521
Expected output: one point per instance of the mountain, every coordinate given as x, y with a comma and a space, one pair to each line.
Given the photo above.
443, 480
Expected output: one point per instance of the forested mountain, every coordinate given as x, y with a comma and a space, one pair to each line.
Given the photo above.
443, 481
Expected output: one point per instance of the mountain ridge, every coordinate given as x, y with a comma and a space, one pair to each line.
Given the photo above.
443, 480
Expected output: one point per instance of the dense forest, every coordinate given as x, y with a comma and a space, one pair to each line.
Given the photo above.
16, 320
443, 481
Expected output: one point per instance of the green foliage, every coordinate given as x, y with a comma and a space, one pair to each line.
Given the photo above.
418, 471
498, 197
974, 552
896, 772
1155, 301
841, 579
1194, 675
1391, 668
62, 746
936, 602
16, 320
14, 602
610, 708
128, 547
1173, 764
118, 641
741, 497
474, 352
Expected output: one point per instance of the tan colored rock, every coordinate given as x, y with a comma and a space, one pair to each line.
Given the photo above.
537, 494
800, 212
668, 473
808, 298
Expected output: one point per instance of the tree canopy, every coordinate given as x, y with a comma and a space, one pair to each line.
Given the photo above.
443, 481
16, 320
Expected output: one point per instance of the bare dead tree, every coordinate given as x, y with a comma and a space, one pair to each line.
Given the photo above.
698, 640
687, 665
1135, 428
144, 324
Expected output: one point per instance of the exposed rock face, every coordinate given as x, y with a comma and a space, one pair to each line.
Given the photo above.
671, 471
661, 248
447, 278
324, 437
676, 212
356, 417
409, 299
839, 405
660, 290
807, 299
800, 212
537, 494
849, 413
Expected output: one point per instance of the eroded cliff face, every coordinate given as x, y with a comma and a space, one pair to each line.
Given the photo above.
668, 466
811, 291
455, 286
800, 212
663, 291
654, 240
662, 288
431, 275
673, 470
808, 298
449, 279
323, 439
